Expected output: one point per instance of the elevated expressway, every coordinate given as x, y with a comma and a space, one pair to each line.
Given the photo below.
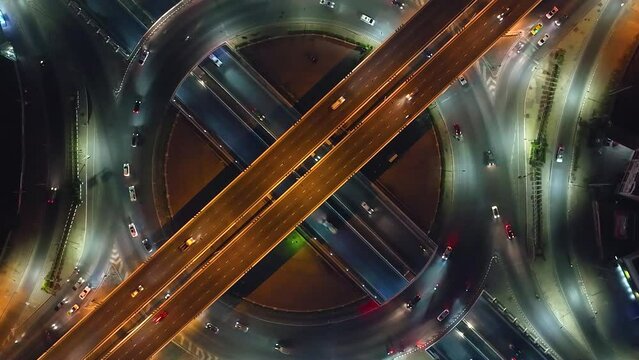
268, 228
242, 199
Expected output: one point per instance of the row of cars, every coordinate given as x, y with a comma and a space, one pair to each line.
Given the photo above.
363, 17
83, 294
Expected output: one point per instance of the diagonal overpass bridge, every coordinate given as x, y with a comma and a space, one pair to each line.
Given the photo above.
246, 224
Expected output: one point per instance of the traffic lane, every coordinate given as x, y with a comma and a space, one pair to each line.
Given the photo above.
301, 138
262, 235
456, 346
498, 332
122, 25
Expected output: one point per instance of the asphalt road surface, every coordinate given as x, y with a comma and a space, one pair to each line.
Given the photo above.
265, 231
243, 195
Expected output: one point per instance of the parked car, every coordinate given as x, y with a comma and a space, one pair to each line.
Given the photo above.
535, 29
85, 292
543, 40
552, 12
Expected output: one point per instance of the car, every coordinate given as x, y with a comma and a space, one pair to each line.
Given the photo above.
136, 106
73, 309
495, 211
132, 195
509, 231
126, 169
367, 19
85, 292
411, 304
281, 348
136, 291
542, 41
409, 96
428, 54
552, 12
79, 283
457, 131
187, 244
462, 80
133, 230
329, 4
238, 325
135, 139
390, 350
443, 315
561, 20
490, 158
143, 55
215, 60
53, 193
520, 46
536, 29
212, 327
399, 4
61, 304
504, 12
147, 245
3, 19
560, 154
368, 208
338, 103
446, 253
328, 226
161, 315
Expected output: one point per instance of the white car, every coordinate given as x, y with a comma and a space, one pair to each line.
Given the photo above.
215, 59
330, 227
126, 169
367, 19
443, 315
238, 325
368, 208
84, 292
330, 4
132, 194
495, 212
552, 12
542, 41
133, 230
462, 80
560, 154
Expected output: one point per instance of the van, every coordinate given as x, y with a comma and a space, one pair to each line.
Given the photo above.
338, 103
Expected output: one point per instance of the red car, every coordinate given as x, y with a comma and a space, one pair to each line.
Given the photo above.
509, 231
161, 315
